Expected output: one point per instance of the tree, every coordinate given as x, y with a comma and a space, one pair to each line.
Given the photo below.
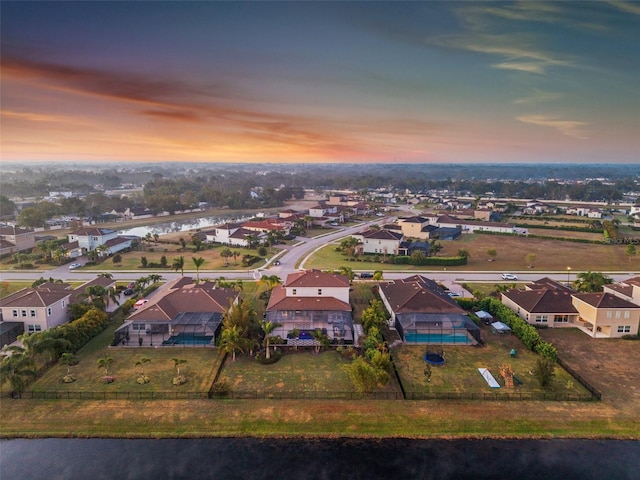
493, 253
363, 376
144, 262
321, 338
377, 275
530, 258
106, 275
105, 362
141, 363
347, 272
198, 262
31, 217
16, 367
631, 251
418, 257
176, 364
435, 248
546, 371
268, 328
591, 281
155, 278
226, 253
183, 243
178, 264
463, 253
232, 340
117, 259
235, 255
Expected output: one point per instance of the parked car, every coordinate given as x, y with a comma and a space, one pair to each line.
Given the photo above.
140, 303
334, 224
131, 285
128, 291
276, 263
366, 275
454, 294
509, 276
73, 266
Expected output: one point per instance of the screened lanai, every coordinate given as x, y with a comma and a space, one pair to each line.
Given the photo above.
185, 329
439, 329
338, 325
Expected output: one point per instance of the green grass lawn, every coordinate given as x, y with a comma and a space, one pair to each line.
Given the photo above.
460, 371
200, 370
302, 371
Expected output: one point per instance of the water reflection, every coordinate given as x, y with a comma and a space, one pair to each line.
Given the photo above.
238, 458
184, 225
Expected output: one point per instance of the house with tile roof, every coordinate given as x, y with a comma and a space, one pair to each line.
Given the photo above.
380, 241
86, 239
37, 308
308, 301
601, 315
182, 312
16, 239
423, 313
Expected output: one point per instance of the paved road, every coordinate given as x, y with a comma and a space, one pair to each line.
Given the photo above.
294, 258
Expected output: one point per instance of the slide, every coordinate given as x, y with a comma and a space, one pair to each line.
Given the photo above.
486, 374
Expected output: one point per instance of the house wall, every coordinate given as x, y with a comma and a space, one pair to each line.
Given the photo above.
90, 242
412, 229
373, 245
341, 293
391, 321
606, 321
39, 318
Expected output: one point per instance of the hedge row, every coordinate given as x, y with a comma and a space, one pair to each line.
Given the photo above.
524, 331
80, 331
559, 227
438, 261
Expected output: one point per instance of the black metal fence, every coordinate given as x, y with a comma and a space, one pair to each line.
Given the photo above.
306, 395
594, 391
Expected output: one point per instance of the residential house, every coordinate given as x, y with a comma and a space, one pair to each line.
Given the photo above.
544, 302
604, 315
309, 301
469, 226
627, 289
37, 308
600, 315
16, 239
182, 312
423, 313
380, 241
221, 233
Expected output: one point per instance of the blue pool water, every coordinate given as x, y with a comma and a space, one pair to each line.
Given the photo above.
188, 339
438, 338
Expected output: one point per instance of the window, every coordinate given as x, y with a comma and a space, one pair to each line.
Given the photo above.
541, 319
627, 314
23, 313
49, 311
15, 313
609, 314
34, 328
618, 314
33, 313
95, 239
319, 291
138, 326
561, 319
293, 292
624, 328
63, 303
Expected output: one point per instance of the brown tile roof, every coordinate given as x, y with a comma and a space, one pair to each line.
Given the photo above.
13, 230
605, 300
241, 233
34, 297
316, 278
187, 299
626, 290
92, 231
418, 294
543, 300
116, 241
547, 283
382, 234
280, 301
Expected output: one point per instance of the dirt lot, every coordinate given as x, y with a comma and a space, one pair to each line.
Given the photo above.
610, 365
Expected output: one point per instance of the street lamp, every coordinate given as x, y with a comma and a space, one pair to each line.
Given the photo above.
568, 273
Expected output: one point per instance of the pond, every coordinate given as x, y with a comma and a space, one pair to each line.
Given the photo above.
184, 225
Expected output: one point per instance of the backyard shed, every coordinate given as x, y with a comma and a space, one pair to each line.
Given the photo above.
499, 327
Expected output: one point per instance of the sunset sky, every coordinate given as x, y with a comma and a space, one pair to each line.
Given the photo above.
305, 81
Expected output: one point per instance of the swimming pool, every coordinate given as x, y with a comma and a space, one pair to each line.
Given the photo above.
188, 339
460, 338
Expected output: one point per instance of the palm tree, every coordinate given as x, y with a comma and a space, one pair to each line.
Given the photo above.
321, 339
106, 275
347, 272
155, 278
198, 262
231, 340
16, 367
591, 281
226, 253
178, 264
105, 362
68, 359
95, 294
176, 363
140, 363
101, 249
295, 333
268, 328
113, 296
235, 255
58, 254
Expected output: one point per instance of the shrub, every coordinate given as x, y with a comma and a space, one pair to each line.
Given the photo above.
222, 386
108, 379
179, 380
261, 357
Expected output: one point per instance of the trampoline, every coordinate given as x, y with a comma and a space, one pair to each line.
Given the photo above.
434, 358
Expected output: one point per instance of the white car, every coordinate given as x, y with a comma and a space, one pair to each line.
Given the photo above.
140, 303
509, 276
73, 266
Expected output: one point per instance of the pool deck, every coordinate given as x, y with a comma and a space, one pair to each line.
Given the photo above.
155, 341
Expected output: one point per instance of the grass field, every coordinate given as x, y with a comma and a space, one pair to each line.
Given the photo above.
511, 256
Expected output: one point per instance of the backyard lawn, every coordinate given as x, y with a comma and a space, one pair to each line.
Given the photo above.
302, 371
200, 369
460, 371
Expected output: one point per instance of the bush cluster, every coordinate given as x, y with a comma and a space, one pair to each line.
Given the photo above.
524, 331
